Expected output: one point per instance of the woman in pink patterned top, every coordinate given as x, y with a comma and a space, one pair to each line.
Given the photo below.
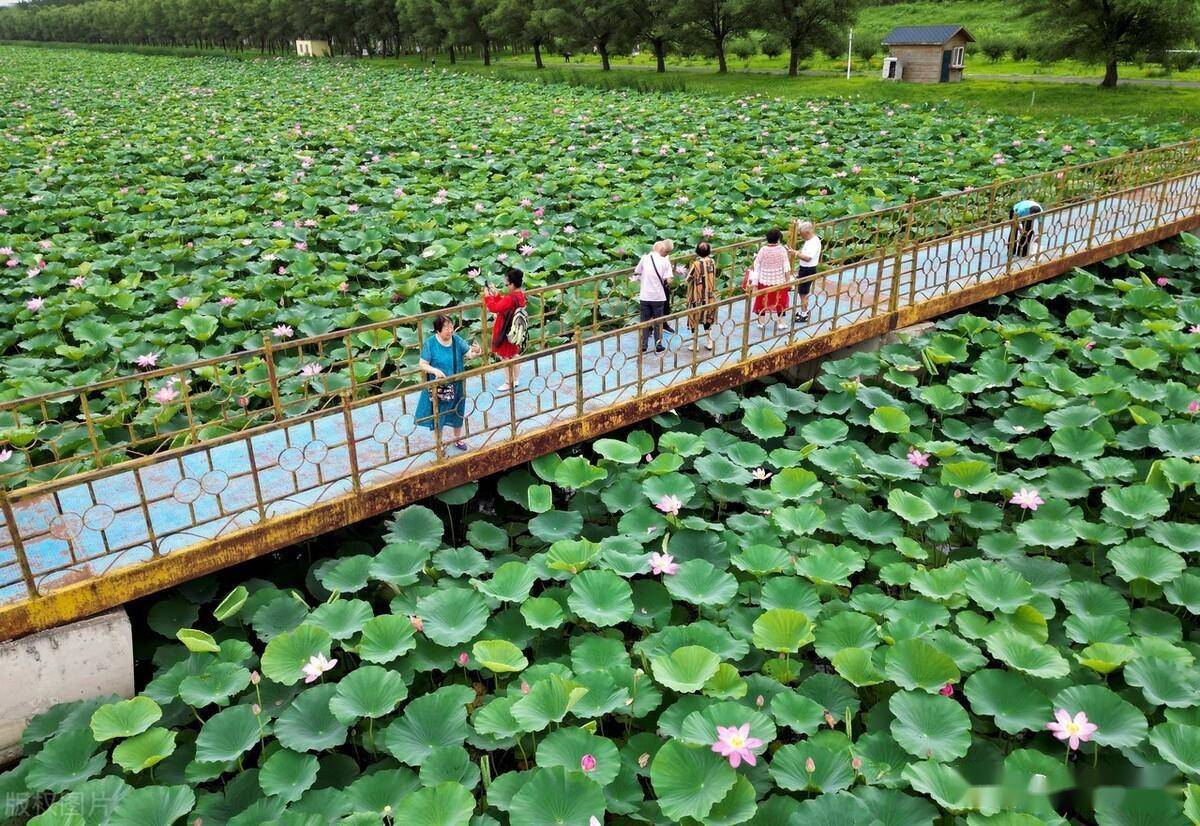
772, 267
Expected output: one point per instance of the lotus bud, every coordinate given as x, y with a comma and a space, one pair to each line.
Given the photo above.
856, 763
524, 687
643, 760
829, 721
463, 658
587, 763
255, 677
809, 765
947, 690
243, 401
416, 622
758, 701
257, 709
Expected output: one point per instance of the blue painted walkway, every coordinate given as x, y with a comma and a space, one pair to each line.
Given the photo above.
82, 530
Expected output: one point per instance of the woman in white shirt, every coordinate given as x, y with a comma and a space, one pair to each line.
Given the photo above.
807, 261
654, 273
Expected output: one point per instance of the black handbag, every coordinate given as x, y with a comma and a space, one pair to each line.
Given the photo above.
448, 393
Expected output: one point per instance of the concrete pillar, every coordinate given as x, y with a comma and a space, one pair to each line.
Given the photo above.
86, 659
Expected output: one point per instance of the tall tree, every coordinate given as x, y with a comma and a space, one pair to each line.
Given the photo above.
1113, 31
807, 24
657, 23
603, 25
717, 21
529, 22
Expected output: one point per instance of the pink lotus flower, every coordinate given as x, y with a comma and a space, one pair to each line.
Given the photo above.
311, 369
1074, 731
76, 282
587, 763
35, 304
166, 395
5, 455
947, 690
708, 232
663, 564
1089, 345
1067, 149
147, 360
416, 622
1027, 498
669, 504
1194, 329
736, 743
526, 202
301, 245
1162, 281
317, 665
595, 821
569, 230
352, 208
227, 301
527, 249
463, 659
761, 474
344, 287
856, 763
918, 459
282, 331
524, 687
810, 765
643, 759
1193, 406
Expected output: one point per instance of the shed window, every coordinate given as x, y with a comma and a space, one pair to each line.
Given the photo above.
956, 58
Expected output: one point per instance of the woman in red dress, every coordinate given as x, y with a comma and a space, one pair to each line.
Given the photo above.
504, 305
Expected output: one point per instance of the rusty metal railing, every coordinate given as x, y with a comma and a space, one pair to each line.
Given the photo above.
284, 435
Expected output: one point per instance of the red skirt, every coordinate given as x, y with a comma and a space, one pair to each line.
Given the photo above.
505, 349
773, 301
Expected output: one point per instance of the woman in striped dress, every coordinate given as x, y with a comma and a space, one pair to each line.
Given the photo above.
772, 268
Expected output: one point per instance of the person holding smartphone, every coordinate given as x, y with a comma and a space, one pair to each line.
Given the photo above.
442, 355
511, 324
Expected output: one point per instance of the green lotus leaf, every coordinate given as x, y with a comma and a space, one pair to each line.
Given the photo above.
347, 575
487, 537
286, 654
160, 805
511, 582
847, 629
763, 422
832, 771
998, 588
1077, 444
915, 664
689, 781
91, 802
386, 637
1046, 532
879, 527
1179, 745
147, 749
566, 748
890, 807
419, 525
943, 784
930, 726
912, 509
399, 563
547, 702
197, 642
686, 669
1164, 681
795, 483
699, 582
555, 796
228, 734
831, 566
1142, 559
308, 724
824, 432
1120, 724
342, 618
287, 775
446, 804
216, 684
857, 667
782, 630
1105, 658
700, 727
1181, 440
542, 613
571, 555
1018, 651
1116, 806
499, 656
1136, 501
1184, 591
64, 762
887, 419
600, 597
125, 718
555, 525
801, 714
972, 476
367, 691
576, 473
620, 452
452, 616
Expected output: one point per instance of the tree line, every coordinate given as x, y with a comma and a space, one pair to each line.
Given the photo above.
447, 27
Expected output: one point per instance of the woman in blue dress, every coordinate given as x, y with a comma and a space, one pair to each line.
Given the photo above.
444, 354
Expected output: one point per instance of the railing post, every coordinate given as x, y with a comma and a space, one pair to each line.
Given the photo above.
17, 543
351, 446
91, 427
485, 341
272, 378
1092, 222
746, 323
898, 261
579, 372
350, 365
439, 450
641, 351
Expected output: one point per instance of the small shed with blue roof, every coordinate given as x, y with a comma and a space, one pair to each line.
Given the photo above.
926, 54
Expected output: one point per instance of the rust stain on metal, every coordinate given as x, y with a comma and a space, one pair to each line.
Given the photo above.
81, 599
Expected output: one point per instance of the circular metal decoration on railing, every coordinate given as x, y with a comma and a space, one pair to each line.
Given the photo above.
187, 490
537, 385
66, 526
554, 381
405, 425
484, 401
315, 452
214, 482
98, 517
291, 459
602, 366
383, 432
619, 360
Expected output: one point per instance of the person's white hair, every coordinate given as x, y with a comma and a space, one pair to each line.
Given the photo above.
805, 227
664, 246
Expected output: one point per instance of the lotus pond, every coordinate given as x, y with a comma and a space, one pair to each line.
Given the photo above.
947, 582
154, 210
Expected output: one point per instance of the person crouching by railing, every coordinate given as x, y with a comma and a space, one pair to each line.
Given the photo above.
772, 268
808, 259
653, 272
511, 326
702, 292
443, 354
1024, 214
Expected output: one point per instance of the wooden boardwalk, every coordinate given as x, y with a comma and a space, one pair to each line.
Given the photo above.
95, 538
